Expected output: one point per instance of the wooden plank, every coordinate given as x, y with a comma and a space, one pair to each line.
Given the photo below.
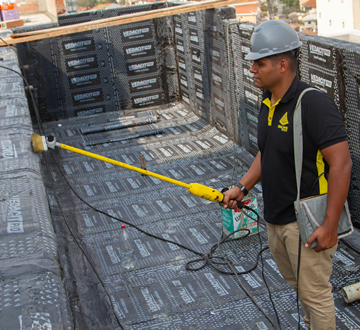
119, 20
12, 23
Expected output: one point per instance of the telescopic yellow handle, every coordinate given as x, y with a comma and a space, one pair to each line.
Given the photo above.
205, 192
194, 188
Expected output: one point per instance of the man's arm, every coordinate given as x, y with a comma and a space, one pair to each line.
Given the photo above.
340, 163
249, 180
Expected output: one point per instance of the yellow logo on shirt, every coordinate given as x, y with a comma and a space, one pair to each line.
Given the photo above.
283, 121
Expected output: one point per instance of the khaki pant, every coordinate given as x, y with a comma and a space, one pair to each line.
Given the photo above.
315, 270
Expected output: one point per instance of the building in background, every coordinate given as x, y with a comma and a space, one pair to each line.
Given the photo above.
50, 8
309, 6
310, 19
310, 23
249, 12
295, 27
338, 17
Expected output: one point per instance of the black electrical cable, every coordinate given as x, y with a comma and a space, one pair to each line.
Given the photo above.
79, 245
232, 178
262, 265
17, 55
31, 96
67, 224
206, 257
23, 76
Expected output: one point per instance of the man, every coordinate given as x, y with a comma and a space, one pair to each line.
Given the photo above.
274, 45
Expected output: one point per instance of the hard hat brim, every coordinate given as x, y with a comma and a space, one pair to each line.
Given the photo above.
256, 56
253, 56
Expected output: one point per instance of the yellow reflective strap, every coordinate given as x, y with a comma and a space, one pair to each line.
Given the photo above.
320, 164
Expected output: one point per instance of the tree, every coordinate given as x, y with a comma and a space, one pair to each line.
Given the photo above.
86, 3
263, 7
270, 8
291, 3
275, 9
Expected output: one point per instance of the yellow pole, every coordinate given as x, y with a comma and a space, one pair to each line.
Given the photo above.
194, 188
129, 167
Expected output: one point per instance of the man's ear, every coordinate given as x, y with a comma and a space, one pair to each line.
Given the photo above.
283, 65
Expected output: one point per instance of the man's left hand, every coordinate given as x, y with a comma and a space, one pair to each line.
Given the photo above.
340, 163
326, 238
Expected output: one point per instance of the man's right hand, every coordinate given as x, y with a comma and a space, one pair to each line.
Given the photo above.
249, 180
232, 197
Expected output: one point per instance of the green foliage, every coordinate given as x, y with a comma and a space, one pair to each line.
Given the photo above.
270, 7
86, 3
286, 11
291, 3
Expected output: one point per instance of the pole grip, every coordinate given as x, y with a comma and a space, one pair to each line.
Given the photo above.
240, 204
205, 192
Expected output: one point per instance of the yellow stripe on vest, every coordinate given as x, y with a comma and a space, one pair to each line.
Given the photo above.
320, 164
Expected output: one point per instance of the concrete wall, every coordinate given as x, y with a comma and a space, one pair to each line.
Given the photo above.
356, 11
48, 6
352, 36
31, 6
335, 16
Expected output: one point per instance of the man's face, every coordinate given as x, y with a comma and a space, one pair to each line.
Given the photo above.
265, 73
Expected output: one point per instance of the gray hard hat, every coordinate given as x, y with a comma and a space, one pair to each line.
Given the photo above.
271, 38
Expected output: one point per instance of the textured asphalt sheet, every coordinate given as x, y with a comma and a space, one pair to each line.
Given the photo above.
160, 293
60, 266
32, 292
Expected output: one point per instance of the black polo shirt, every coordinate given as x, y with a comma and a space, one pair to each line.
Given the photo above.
322, 127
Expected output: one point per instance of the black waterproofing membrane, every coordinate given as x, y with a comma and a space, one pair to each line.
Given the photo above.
60, 262
160, 293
